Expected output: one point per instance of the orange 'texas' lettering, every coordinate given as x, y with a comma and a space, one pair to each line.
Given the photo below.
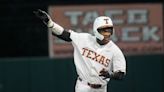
96, 57
84, 50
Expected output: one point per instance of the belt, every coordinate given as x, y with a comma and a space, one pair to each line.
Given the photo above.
96, 86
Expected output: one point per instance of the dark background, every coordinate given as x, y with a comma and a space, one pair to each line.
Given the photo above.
24, 62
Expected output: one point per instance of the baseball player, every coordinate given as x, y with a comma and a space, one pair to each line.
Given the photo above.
97, 58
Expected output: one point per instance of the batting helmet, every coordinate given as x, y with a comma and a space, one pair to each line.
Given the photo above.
101, 22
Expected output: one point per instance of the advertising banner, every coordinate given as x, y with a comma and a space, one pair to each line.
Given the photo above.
138, 27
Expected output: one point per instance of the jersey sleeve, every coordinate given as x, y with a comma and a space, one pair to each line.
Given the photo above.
78, 38
119, 62
74, 36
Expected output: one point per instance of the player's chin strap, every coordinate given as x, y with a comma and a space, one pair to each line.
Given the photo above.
115, 75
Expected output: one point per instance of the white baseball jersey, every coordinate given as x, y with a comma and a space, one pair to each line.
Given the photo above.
90, 57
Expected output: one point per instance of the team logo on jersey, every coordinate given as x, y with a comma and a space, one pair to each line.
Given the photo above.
96, 57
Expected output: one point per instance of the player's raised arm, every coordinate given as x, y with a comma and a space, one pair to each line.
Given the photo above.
56, 29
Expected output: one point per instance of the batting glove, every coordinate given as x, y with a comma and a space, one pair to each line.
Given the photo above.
104, 74
44, 17
115, 75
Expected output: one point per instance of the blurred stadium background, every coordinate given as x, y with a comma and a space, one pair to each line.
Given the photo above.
26, 66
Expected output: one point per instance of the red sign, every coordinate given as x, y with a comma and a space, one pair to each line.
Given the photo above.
138, 27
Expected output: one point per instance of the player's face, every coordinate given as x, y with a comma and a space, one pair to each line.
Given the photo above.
106, 32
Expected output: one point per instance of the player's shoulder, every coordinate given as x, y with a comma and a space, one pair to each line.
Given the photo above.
115, 48
85, 34
82, 34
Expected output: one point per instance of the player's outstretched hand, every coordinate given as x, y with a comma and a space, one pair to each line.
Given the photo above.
104, 73
42, 15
